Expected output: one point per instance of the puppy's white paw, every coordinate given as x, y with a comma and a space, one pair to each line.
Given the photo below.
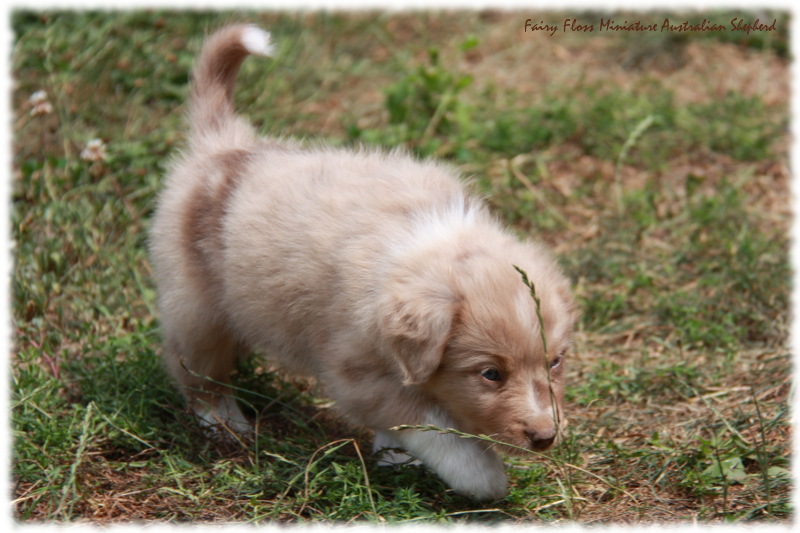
224, 414
482, 478
390, 457
387, 450
468, 466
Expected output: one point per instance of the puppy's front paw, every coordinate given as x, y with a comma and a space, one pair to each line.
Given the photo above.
388, 452
469, 467
394, 457
483, 478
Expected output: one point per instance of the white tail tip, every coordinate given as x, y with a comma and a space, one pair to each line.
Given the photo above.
257, 41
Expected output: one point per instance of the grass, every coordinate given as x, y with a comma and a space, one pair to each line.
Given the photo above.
656, 168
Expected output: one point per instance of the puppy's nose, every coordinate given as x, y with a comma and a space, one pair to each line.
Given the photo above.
541, 439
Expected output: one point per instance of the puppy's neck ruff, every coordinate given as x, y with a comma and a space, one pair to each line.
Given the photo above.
438, 224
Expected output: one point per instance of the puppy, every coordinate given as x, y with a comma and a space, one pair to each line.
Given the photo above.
376, 273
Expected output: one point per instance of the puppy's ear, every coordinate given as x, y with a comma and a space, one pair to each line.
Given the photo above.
416, 323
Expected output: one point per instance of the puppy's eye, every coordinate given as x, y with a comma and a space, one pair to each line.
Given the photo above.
492, 374
556, 362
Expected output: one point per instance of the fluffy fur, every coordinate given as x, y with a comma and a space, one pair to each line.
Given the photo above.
376, 273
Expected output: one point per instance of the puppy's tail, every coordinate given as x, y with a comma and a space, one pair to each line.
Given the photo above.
211, 111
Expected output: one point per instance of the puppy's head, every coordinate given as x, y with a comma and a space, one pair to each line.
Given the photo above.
470, 336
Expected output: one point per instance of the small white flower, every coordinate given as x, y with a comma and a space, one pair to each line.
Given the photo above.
38, 97
95, 151
40, 104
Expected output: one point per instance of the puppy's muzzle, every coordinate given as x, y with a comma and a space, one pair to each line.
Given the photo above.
541, 439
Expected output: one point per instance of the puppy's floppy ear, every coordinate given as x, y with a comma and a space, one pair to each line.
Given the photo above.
416, 322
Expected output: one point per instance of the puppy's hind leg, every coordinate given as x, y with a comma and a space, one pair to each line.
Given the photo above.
200, 359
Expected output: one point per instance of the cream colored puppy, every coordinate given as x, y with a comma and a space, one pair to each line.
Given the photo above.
376, 273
